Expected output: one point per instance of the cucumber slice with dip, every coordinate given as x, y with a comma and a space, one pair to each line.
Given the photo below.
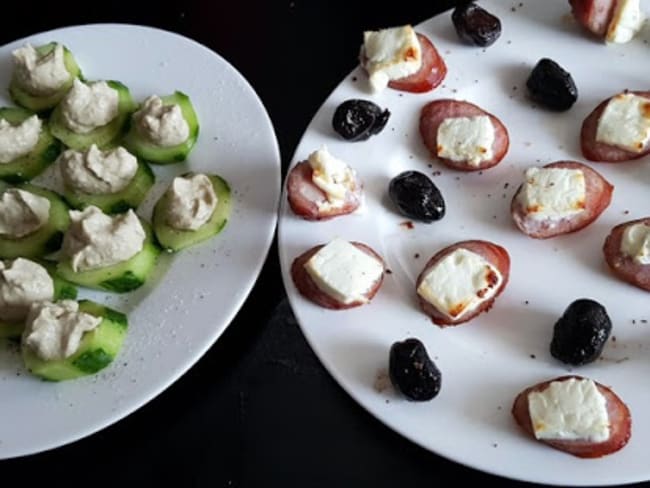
46, 102
144, 148
172, 239
98, 347
105, 136
26, 167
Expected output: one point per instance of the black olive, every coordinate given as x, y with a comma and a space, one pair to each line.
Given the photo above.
357, 120
475, 25
416, 196
552, 86
412, 371
581, 333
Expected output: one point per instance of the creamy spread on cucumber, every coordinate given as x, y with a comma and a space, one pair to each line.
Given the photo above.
97, 172
54, 330
192, 201
22, 282
163, 125
89, 106
37, 74
96, 240
18, 140
22, 213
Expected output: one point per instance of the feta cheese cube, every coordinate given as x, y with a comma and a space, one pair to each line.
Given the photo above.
572, 409
344, 272
390, 54
553, 193
333, 176
625, 122
466, 139
460, 282
636, 243
626, 21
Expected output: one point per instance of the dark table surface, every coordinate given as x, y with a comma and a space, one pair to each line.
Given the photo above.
258, 409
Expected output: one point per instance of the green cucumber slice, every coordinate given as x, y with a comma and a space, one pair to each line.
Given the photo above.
130, 197
173, 239
30, 165
43, 103
105, 136
118, 278
45, 240
145, 149
63, 290
97, 349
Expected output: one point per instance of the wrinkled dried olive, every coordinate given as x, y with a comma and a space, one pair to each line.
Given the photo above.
552, 86
581, 333
416, 196
412, 371
357, 120
475, 25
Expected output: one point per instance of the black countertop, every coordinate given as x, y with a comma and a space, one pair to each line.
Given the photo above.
258, 409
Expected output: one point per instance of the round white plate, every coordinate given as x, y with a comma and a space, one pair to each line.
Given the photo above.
487, 361
194, 295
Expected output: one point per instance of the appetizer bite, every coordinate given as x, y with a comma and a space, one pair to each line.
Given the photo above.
42, 75
559, 198
615, 21
92, 113
462, 135
356, 120
338, 275
580, 335
112, 253
462, 280
412, 371
26, 145
67, 339
575, 415
618, 129
416, 196
22, 283
32, 222
400, 58
323, 187
551, 86
113, 180
194, 208
163, 129
627, 252
475, 25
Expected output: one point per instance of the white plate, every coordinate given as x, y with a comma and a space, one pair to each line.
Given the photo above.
195, 295
486, 362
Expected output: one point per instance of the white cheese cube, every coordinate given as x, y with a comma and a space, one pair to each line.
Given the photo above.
553, 193
460, 282
626, 21
333, 176
636, 243
573, 409
344, 272
466, 139
390, 54
625, 122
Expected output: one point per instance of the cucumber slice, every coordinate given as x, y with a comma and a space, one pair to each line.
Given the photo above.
43, 103
63, 290
26, 167
45, 240
173, 239
112, 203
105, 136
145, 149
121, 277
97, 349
